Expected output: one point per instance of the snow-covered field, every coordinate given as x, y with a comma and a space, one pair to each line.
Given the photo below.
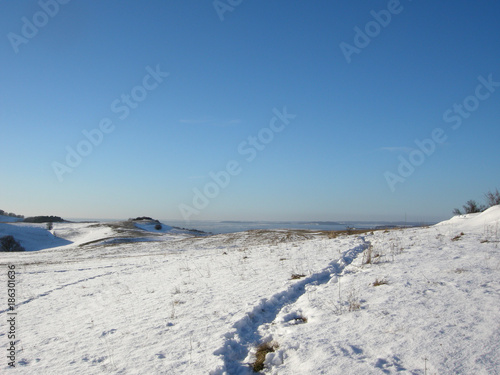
110, 298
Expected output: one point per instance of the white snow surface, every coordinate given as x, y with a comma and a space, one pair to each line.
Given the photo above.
488, 220
116, 301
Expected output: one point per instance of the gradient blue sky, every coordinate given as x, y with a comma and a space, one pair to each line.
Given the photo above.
354, 121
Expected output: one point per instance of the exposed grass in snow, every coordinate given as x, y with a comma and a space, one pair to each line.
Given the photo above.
260, 355
379, 282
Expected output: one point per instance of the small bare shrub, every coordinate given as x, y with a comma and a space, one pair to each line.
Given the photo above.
470, 207
377, 257
396, 249
332, 234
8, 243
492, 198
353, 302
367, 255
296, 276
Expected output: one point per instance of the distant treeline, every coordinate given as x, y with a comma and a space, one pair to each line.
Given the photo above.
492, 199
141, 218
44, 219
3, 213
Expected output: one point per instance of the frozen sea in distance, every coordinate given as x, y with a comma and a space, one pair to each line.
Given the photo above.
233, 226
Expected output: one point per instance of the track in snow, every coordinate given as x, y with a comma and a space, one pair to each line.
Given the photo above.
58, 288
245, 334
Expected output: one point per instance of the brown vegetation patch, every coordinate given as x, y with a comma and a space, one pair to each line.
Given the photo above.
260, 355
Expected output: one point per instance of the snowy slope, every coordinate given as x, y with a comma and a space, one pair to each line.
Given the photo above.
202, 305
487, 220
439, 312
9, 219
32, 236
70, 235
150, 226
81, 233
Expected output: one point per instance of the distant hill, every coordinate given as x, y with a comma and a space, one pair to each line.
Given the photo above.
44, 219
144, 218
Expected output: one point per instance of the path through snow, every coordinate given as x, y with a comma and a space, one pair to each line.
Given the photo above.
245, 334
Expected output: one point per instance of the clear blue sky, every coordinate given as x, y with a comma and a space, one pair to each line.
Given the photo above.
228, 69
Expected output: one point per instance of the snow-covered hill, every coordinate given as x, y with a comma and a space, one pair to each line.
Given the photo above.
416, 301
32, 236
487, 220
70, 235
9, 219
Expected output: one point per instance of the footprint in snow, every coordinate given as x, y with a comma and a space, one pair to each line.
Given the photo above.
110, 332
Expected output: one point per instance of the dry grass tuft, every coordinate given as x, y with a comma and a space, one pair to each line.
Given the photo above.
260, 355
379, 282
296, 276
301, 319
456, 238
348, 232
